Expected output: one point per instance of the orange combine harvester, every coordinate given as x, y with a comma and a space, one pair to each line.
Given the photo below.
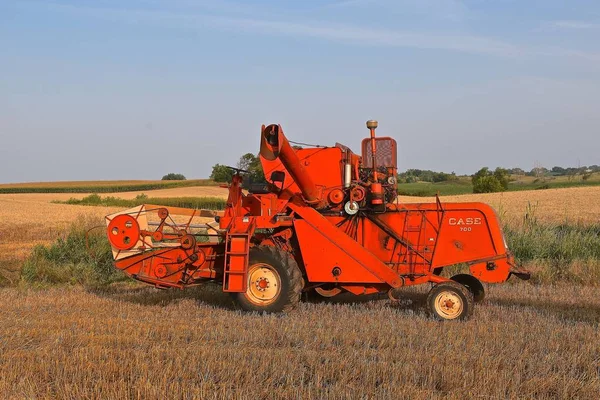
328, 221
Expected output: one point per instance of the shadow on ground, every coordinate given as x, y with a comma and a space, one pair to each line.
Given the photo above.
588, 313
213, 295
144, 295
407, 300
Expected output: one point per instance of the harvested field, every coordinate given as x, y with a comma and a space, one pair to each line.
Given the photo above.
25, 224
572, 205
129, 342
77, 184
194, 191
45, 214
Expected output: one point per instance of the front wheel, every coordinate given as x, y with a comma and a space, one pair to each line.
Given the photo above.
449, 301
274, 281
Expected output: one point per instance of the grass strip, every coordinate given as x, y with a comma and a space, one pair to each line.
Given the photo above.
91, 188
207, 203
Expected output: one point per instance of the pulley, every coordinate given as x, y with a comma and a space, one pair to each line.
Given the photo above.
123, 232
351, 207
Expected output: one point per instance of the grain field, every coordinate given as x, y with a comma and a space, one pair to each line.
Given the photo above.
569, 205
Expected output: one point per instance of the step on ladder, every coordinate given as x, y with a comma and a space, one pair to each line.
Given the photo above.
235, 274
413, 233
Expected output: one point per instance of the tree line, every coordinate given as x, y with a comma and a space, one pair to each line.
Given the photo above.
484, 181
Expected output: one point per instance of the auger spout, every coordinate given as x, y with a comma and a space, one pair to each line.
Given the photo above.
275, 145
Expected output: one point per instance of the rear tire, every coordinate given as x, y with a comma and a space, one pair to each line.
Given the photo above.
473, 284
450, 301
274, 281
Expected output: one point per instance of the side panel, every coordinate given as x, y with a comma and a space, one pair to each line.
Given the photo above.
471, 233
322, 257
465, 236
325, 166
323, 244
414, 239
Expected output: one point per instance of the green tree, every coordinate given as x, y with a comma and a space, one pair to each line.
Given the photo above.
248, 162
558, 170
502, 176
516, 171
251, 163
221, 173
416, 175
173, 177
486, 181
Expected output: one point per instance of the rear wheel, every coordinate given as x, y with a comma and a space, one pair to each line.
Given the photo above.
473, 284
449, 301
274, 281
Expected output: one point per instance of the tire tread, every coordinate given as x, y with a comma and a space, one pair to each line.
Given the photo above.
290, 268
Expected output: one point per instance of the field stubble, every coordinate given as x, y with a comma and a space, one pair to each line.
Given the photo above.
132, 342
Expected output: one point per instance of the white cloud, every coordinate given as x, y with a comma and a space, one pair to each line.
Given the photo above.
330, 31
573, 24
374, 37
454, 10
351, 34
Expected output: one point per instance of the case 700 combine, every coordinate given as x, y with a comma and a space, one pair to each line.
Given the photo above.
328, 221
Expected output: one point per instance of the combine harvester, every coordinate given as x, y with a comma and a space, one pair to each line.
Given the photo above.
328, 221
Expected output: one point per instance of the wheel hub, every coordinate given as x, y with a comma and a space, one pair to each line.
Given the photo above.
263, 284
448, 305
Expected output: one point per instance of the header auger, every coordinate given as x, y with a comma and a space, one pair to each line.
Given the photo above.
328, 221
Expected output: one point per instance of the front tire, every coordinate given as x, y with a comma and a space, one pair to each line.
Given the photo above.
450, 301
274, 281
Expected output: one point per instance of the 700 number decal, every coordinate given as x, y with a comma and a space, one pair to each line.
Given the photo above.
464, 224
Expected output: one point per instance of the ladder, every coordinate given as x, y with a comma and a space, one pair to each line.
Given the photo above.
413, 233
235, 273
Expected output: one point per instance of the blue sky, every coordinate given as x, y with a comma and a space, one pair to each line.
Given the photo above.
134, 89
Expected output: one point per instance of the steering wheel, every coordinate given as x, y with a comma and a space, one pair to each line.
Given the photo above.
237, 170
